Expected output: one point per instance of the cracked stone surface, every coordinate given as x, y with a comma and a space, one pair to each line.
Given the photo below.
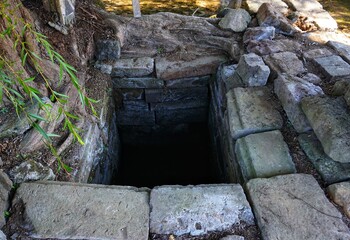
340, 194
334, 67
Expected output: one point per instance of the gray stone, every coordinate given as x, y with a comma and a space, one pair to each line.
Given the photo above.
104, 67
342, 49
186, 115
252, 70
347, 96
133, 67
5, 188
236, 20
291, 90
140, 117
263, 155
194, 66
323, 37
331, 171
340, 194
131, 94
31, 171
310, 55
2, 236
107, 50
192, 103
227, 79
267, 15
312, 78
232, 237
178, 94
188, 82
329, 119
250, 110
295, 207
78, 211
135, 105
258, 34
334, 67
284, 62
266, 46
137, 83
304, 5
198, 209
340, 87
254, 5
322, 19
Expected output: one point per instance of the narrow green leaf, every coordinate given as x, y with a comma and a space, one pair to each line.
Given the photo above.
71, 115
41, 131
53, 135
66, 167
37, 117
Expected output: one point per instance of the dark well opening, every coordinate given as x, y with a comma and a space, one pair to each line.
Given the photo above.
166, 155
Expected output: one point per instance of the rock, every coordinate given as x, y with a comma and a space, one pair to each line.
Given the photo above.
329, 119
227, 79
340, 194
138, 117
266, 47
185, 115
254, 5
291, 90
323, 37
294, 207
267, 15
236, 20
252, 70
107, 50
347, 97
133, 67
334, 67
257, 162
147, 82
258, 34
188, 82
232, 237
310, 55
250, 110
135, 105
5, 188
131, 94
176, 94
340, 87
323, 20
222, 13
284, 62
342, 49
331, 171
235, 4
31, 171
90, 211
103, 67
182, 104
2, 236
197, 210
304, 5
312, 78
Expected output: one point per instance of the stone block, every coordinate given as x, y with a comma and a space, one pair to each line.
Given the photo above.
178, 94
334, 67
232, 237
342, 49
103, 67
266, 46
188, 82
31, 171
107, 50
77, 211
258, 34
141, 117
312, 54
131, 94
331, 171
250, 110
347, 96
176, 116
5, 188
322, 19
254, 5
329, 118
263, 155
135, 105
185, 104
133, 67
340, 194
137, 83
290, 90
236, 20
340, 87
197, 210
304, 5
252, 70
295, 207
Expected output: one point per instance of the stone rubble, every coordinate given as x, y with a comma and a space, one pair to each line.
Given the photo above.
340, 194
31, 171
236, 20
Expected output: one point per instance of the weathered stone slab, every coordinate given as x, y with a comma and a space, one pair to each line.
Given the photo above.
263, 155
334, 67
131, 94
137, 83
340, 87
2, 236
323, 20
340, 194
331, 171
78, 211
103, 67
107, 50
185, 115
232, 237
31, 171
266, 46
5, 188
178, 94
236, 20
323, 37
347, 96
295, 207
188, 82
252, 70
310, 55
342, 49
168, 68
198, 209
133, 67
192, 103
135, 105
254, 5
258, 34
291, 90
141, 117
284, 62
250, 111
329, 118
304, 5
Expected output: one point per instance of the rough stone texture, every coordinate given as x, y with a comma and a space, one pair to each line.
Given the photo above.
342, 49
341, 87
310, 55
135, 105
347, 96
329, 119
263, 155
254, 5
258, 34
192, 103
334, 67
2, 236
198, 209
340, 194
187, 115
268, 15
172, 95
250, 111
103, 67
139, 117
31, 171
131, 94
323, 20
188, 82
304, 5
5, 188
168, 68
295, 207
236, 20
133, 67
312, 78
107, 50
266, 46
252, 70
137, 83
291, 90
78, 211
284, 62
232, 237
331, 171
323, 37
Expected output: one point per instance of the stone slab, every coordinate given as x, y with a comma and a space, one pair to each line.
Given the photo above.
31, 170
107, 50
250, 110
295, 207
131, 94
185, 104
78, 211
135, 105
254, 5
141, 117
263, 155
312, 54
186, 115
137, 83
197, 210
266, 46
5, 188
178, 94
334, 67
347, 96
340, 194
188, 82
258, 34
232, 237
329, 118
331, 171
290, 90
322, 19
304, 5
236, 20
133, 67
342, 49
